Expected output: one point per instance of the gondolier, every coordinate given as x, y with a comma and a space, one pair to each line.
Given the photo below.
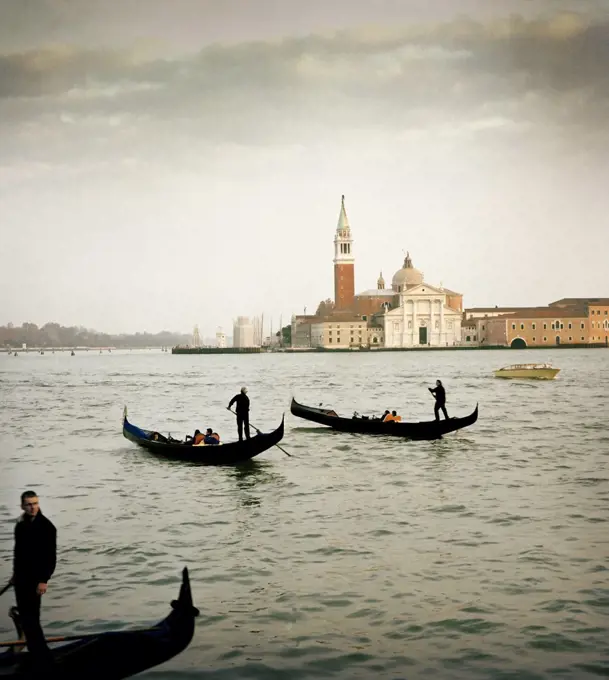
35, 557
440, 394
243, 412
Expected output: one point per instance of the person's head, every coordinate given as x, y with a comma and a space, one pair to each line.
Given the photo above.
243, 390
197, 432
209, 430
394, 413
29, 503
439, 383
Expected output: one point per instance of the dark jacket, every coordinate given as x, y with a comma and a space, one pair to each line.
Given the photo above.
35, 554
242, 401
439, 393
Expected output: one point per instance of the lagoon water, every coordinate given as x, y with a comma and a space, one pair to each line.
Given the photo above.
482, 555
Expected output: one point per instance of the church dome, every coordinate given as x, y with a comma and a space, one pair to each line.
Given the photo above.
407, 277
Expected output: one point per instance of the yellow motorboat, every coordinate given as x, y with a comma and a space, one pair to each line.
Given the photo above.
537, 371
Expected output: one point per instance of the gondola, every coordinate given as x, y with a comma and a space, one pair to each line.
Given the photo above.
230, 453
432, 429
114, 655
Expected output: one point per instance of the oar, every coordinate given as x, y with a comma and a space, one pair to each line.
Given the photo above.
258, 431
6, 587
84, 636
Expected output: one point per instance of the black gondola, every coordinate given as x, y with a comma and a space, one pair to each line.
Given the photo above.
230, 453
431, 429
115, 655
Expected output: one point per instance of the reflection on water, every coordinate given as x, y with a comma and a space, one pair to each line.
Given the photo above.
484, 554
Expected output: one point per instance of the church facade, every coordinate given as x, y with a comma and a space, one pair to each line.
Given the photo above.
411, 313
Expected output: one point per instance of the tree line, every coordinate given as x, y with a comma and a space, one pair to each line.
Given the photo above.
54, 335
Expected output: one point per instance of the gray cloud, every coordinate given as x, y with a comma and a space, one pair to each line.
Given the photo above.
535, 70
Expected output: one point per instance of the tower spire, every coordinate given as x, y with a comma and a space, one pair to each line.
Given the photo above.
344, 279
343, 222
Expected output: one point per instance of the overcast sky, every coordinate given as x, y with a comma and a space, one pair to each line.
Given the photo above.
170, 163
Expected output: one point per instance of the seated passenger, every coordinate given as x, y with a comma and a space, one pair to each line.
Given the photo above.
211, 437
385, 415
392, 417
198, 438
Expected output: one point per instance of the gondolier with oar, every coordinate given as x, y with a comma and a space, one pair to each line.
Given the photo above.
35, 557
440, 394
242, 402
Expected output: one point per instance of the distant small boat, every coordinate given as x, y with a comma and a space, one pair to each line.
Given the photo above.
536, 371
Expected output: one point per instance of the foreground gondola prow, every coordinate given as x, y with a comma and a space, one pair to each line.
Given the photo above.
184, 604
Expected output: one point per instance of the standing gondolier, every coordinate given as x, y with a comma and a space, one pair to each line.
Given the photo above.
243, 412
440, 394
35, 557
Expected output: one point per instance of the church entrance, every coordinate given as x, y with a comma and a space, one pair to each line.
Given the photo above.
423, 335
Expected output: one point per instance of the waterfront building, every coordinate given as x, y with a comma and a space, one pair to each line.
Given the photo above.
220, 338
243, 333
570, 321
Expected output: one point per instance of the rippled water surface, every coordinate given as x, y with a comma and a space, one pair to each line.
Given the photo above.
483, 555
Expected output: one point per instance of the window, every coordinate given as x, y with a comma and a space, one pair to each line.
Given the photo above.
583, 338
582, 326
545, 326
483, 328
533, 326
569, 326
521, 326
533, 339
561, 327
570, 338
513, 326
329, 339
468, 338
545, 339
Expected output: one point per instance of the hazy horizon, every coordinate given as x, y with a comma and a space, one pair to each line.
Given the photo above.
184, 164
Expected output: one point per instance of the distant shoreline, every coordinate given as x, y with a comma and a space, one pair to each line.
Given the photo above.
318, 350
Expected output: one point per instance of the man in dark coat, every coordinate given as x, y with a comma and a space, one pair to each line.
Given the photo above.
440, 395
243, 412
34, 561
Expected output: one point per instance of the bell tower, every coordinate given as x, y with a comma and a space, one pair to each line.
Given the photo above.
344, 263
